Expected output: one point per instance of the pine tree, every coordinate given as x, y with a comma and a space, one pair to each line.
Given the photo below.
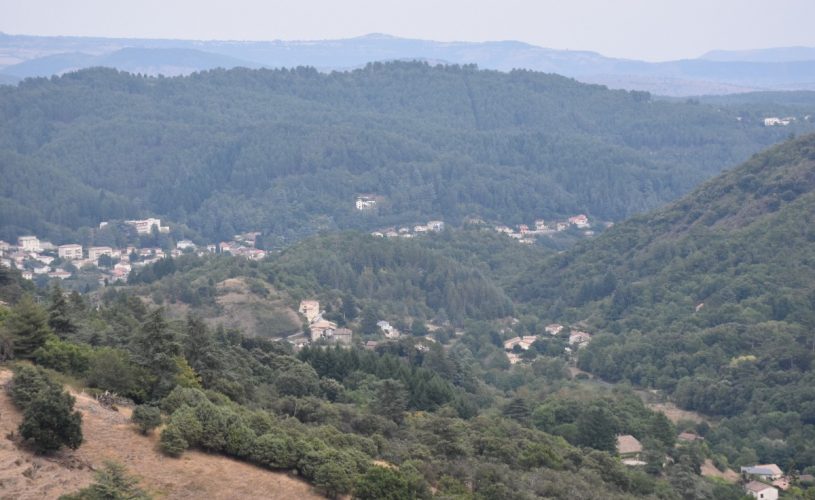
369, 319
58, 313
156, 349
28, 327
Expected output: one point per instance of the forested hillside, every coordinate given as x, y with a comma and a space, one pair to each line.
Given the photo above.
286, 151
711, 299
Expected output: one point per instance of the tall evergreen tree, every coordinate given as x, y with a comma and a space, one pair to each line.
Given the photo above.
28, 328
155, 348
58, 313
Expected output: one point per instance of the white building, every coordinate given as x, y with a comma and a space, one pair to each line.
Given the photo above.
95, 252
554, 329
365, 203
184, 244
761, 491
775, 121
28, 243
70, 252
435, 225
145, 226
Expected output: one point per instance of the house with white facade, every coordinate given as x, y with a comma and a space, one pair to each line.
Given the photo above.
29, 243
761, 491
553, 329
70, 252
95, 252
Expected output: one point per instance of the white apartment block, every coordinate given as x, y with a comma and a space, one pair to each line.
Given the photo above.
70, 252
95, 252
28, 243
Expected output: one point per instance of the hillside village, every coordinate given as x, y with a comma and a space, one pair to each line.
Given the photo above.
39, 259
523, 233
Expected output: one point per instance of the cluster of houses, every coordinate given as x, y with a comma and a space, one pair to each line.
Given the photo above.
35, 257
526, 234
320, 328
762, 481
775, 121
433, 226
577, 339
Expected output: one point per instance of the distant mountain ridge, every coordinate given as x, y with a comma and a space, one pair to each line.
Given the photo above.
717, 72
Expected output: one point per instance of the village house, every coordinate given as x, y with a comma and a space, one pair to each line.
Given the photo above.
185, 244
579, 338
41, 269
513, 358
371, 345
540, 225
310, 309
60, 274
45, 259
630, 449
322, 328
435, 225
365, 203
28, 275
765, 472
28, 243
343, 336
761, 491
377, 234
388, 330
775, 121
580, 221
561, 226
70, 252
553, 329
145, 226
524, 342
95, 252
4, 246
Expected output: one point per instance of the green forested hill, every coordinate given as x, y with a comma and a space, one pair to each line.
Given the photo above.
711, 299
286, 151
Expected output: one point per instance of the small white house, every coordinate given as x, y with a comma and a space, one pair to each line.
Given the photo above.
761, 491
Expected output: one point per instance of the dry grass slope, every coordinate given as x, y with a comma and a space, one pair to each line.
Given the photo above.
110, 436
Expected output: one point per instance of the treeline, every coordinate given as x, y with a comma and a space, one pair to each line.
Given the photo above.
285, 151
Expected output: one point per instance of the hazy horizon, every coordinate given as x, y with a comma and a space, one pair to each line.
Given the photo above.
633, 29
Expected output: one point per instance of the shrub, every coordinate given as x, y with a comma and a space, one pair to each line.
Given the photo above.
382, 483
111, 483
187, 423
333, 478
275, 451
172, 441
146, 418
49, 422
64, 356
239, 440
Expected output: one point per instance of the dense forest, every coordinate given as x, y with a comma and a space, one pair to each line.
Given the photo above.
712, 300
334, 415
285, 152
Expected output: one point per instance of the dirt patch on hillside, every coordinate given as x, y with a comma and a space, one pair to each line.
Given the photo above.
675, 414
110, 436
241, 308
710, 470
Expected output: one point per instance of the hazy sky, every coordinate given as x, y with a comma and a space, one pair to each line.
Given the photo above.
643, 29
